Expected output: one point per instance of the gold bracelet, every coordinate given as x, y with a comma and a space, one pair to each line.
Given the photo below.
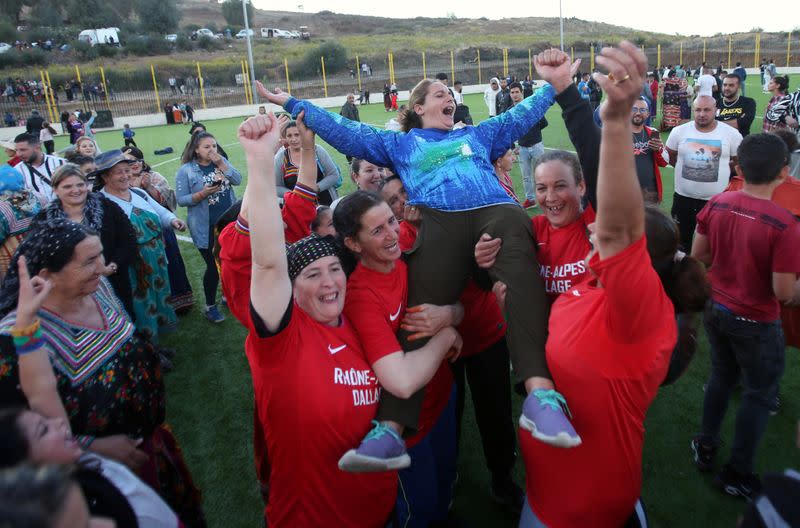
27, 331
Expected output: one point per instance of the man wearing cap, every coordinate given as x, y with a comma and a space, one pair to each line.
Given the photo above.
36, 167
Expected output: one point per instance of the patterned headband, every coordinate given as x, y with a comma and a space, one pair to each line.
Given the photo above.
309, 250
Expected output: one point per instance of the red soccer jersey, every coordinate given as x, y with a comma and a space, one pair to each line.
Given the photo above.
376, 303
750, 238
235, 268
317, 401
608, 350
483, 324
562, 251
299, 210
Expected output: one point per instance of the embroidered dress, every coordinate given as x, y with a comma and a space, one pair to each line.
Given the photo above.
149, 278
110, 383
17, 209
676, 105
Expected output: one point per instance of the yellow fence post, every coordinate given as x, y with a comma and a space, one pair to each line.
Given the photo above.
572, 54
591, 58
105, 87
202, 84
358, 73
244, 83
788, 48
424, 67
286, 69
505, 62
658, 57
758, 50
248, 84
680, 56
453, 67
155, 87
52, 95
530, 64
480, 81
324, 79
704, 50
46, 99
730, 48
78, 73
391, 68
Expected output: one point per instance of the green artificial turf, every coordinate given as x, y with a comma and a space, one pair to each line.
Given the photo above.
210, 400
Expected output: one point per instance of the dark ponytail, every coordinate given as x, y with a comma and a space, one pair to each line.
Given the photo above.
347, 222
683, 277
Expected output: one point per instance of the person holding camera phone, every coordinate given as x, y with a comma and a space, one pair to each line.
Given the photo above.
649, 151
203, 185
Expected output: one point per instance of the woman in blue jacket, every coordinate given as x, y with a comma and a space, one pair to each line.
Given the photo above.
449, 177
203, 185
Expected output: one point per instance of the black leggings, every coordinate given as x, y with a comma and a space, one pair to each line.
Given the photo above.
210, 277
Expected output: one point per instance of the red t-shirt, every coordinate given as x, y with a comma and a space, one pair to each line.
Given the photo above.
608, 350
235, 268
299, 210
562, 251
483, 324
787, 195
750, 238
317, 400
376, 303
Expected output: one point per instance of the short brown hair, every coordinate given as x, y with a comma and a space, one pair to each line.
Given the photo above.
65, 171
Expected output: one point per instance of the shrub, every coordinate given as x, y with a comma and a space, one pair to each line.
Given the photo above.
209, 44
8, 33
182, 43
33, 57
335, 59
107, 51
148, 45
85, 51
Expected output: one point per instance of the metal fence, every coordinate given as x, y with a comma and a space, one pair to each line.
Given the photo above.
125, 92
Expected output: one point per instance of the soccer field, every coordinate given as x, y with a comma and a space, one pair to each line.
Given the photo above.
210, 401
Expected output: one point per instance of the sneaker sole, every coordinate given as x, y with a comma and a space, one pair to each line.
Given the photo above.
352, 462
560, 440
701, 466
731, 490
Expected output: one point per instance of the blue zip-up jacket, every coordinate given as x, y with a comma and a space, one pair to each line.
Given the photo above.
444, 170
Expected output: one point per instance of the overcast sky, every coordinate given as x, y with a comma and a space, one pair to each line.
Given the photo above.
672, 16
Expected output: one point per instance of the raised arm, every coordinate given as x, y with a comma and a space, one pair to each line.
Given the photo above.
620, 207
554, 67
346, 136
270, 287
36, 377
502, 131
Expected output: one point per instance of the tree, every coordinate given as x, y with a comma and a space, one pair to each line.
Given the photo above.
158, 16
12, 8
232, 11
92, 14
46, 13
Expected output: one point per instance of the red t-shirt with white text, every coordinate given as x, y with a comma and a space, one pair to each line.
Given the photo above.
317, 400
376, 304
561, 252
608, 350
750, 238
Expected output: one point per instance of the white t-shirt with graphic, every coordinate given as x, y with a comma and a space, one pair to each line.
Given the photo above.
703, 168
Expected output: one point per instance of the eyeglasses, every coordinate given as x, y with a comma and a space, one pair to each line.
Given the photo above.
641, 110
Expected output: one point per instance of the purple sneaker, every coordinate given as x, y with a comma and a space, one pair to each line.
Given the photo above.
543, 415
381, 450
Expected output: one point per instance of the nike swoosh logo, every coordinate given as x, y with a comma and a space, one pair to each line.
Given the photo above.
397, 313
335, 350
